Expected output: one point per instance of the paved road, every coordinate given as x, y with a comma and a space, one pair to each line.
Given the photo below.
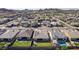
67, 24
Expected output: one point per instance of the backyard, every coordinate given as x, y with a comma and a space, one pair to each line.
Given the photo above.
22, 44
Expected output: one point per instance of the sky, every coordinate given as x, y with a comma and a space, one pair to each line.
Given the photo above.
37, 4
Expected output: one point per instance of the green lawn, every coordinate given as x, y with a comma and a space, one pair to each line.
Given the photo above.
63, 47
3, 44
77, 44
43, 44
22, 44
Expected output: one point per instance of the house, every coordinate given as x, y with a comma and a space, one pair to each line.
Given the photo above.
12, 23
9, 35
5, 20
24, 35
56, 24
40, 37
25, 23
2, 31
73, 35
46, 23
35, 24
61, 38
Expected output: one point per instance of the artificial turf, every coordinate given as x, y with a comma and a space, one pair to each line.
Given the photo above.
22, 44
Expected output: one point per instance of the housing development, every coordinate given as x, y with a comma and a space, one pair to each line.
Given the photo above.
42, 29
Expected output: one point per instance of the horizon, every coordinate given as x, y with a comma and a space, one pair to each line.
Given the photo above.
41, 8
